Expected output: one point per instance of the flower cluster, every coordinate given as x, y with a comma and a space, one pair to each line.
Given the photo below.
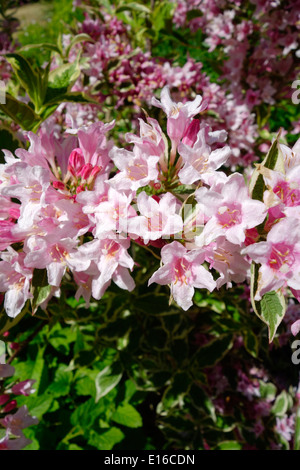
75, 205
114, 70
13, 419
260, 38
279, 254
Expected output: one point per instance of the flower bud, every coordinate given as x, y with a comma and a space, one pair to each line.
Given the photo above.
85, 171
58, 185
23, 388
10, 406
190, 134
76, 162
3, 399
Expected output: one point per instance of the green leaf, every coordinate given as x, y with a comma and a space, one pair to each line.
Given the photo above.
128, 416
85, 386
73, 97
61, 80
272, 311
38, 406
20, 113
271, 308
178, 388
229, 445
107, 439
26, 75
43, 45
267, 390
61, 338
201, 400
40, 288
107, 379
85, 414
281, 404
83, 37
273, 161
62, 382
214, 351
32, 368
251, 342
160, 14
134, 6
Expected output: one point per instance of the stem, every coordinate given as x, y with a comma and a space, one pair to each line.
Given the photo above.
26, 342
146, 248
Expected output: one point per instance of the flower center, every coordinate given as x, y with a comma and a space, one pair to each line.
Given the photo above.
281, 257
183, 273
137, 171
228, 216
290, 196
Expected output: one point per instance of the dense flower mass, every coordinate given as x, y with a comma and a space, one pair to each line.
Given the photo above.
75, 205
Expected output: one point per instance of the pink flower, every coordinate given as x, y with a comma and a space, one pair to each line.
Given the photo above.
6, 370
179, 115
51, 252
226, 258
23, 388
112, 214
231, 211
157, 219
137, 169
183, 271
286, 427
295, 327
15, 280
104, 260
14, 423
14, 444
279, 257
199, 161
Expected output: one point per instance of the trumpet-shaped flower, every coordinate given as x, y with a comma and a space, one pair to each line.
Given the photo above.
183, 271
231, 211
179, 114
279, 257
157, 219
199, 161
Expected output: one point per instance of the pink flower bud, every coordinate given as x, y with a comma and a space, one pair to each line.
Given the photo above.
85, 171
23, 388
3, 399
58, 185
10, 406
76, 162
95, 171
79, 189
190, 134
